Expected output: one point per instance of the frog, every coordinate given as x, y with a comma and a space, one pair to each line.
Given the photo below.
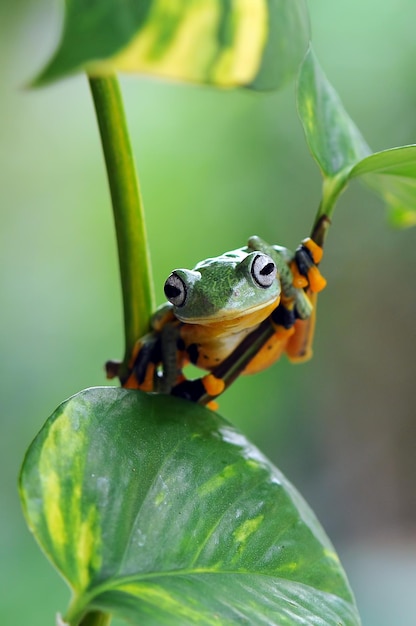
230, 315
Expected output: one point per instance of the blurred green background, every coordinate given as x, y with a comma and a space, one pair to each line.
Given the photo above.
216, 167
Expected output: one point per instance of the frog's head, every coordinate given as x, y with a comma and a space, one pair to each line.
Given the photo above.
234, 285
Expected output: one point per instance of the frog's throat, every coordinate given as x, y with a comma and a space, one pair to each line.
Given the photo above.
251, 316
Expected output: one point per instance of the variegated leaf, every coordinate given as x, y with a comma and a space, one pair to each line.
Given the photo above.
158, 511
219, 42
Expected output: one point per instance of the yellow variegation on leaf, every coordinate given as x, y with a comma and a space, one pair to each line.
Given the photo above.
187, 46
257, 43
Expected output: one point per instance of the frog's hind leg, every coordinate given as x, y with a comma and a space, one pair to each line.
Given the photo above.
299, 345
271, 351
205, 389
200, 390
282, 322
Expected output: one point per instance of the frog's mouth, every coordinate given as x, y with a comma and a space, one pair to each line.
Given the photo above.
234, 319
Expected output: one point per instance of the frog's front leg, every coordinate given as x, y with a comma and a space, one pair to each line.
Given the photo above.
307, 276
293, 303
294, 318
172, 359
144, 363
154, 364
304, 267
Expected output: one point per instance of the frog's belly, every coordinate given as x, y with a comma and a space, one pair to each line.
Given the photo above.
208, 352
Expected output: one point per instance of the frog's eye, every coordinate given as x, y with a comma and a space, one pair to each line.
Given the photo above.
175, 290
263, 270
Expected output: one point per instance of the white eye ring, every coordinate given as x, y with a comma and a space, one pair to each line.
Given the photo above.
175, 290
263, 270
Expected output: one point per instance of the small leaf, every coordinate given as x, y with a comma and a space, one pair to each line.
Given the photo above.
158, 511
341, 152
333, 138
399, 162
392, 174
219, 42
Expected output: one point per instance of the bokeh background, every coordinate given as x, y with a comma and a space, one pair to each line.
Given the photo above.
216, 167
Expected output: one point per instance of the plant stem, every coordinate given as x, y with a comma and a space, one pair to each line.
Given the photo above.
332, 188
75, 617
96, 618
320, 228
133, 249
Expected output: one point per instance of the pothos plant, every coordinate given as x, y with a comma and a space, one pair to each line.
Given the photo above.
153, 508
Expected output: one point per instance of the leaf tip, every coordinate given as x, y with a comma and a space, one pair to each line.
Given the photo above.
401, 218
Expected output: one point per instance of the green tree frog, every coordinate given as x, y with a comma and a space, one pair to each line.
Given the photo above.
231, 314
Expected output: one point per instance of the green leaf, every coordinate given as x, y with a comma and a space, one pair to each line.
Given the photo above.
392, 174
158, 511
341, 152
288, 39
219, 42
333, 138
399, 162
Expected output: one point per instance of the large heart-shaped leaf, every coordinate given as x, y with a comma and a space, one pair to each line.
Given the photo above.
219, 42
342, 153
158, 511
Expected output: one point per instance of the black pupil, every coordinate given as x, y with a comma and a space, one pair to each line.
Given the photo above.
171, 291
267, 269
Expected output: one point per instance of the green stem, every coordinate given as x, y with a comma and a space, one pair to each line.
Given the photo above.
331, 190
78, 616
133, 249
96, 618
